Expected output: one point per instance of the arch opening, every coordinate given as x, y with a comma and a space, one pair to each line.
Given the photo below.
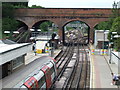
46, 31
71, 31
44, 27
21, 24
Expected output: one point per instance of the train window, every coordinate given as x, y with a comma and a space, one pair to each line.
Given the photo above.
41, 81
30, 83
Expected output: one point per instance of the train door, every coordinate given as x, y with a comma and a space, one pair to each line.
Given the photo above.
42, 83
51, 72
48, 79
40, 77
46, 70
53, 66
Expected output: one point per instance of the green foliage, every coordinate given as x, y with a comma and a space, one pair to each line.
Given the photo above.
34, 6
0, 28
116, 25
8, 21
7, 10
20, 6
104, 25
115, 12
69, 28
115, 28
9, 24
44, 26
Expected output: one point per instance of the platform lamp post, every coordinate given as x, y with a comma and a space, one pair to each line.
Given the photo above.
33, 38
51, 43
111, 37
103, 41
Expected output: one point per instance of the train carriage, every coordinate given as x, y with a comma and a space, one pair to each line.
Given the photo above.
42, 78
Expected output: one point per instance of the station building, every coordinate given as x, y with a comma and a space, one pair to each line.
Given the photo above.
12, 56
101, 40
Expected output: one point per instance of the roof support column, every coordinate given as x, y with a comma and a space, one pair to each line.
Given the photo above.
60, 33
91, 35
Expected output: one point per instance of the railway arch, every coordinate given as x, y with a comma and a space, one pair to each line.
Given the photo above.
61, 16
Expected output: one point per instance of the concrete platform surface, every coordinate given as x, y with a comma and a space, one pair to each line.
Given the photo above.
101, 72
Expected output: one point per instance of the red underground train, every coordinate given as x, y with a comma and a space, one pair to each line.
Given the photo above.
43, 78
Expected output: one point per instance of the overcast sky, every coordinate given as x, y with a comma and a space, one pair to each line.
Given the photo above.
73, 3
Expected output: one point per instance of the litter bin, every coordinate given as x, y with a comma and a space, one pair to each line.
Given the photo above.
51, 52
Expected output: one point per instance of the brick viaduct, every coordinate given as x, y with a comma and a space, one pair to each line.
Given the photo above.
62, 16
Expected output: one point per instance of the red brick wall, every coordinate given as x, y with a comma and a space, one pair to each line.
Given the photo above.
61, 16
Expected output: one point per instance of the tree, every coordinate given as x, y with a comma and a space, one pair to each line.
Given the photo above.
9, 24
7, 10
115, 10
8, 21
104, 25
44, 26
115, 28
34, 6
116, 25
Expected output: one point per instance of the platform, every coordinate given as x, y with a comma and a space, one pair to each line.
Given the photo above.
30, 61
101, 71
31, 55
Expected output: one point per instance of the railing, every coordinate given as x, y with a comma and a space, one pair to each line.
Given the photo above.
115, 59
116, 56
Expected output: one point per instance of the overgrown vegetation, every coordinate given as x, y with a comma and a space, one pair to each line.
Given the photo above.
45, 26
8, 21
115, 28
22, 6
34, 6
104, 25
113, 25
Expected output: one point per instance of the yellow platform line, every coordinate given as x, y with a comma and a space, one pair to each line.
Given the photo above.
92, 78
93, 72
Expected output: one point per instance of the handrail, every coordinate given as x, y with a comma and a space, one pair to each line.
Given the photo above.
115, 55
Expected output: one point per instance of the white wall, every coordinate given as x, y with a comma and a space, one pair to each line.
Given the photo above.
17, 52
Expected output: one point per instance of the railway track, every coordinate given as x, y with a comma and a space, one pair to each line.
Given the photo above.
73, 68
